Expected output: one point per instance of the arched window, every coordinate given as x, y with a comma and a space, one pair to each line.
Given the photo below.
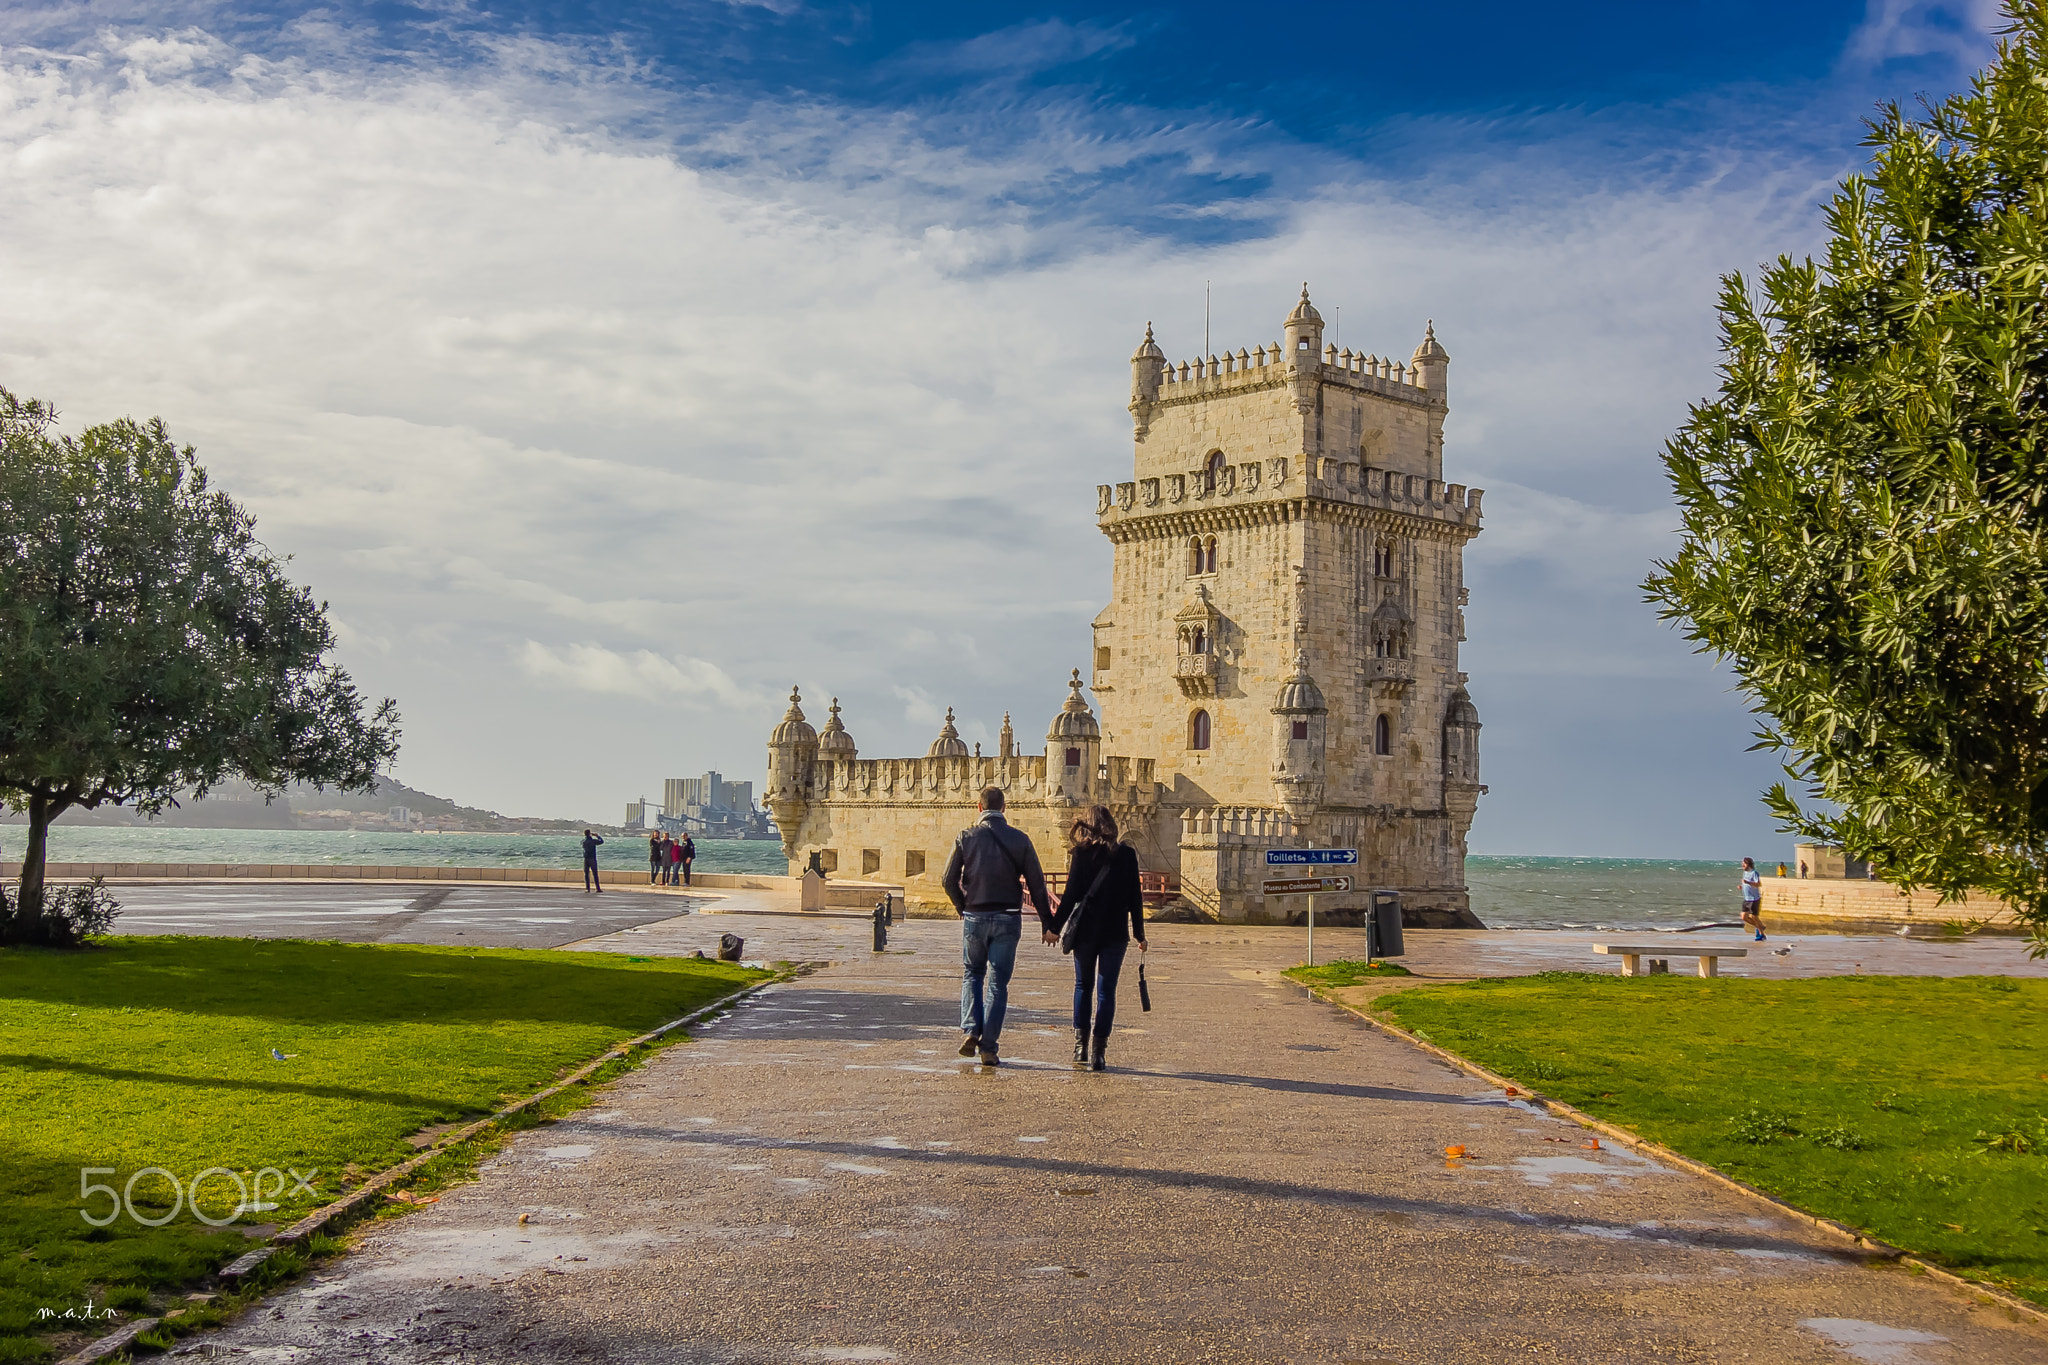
1382, 736
1209, 555
1198, 730
1199, 644
1212, 469
1195, 555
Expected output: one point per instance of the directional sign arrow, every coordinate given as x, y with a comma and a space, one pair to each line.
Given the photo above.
1301, 857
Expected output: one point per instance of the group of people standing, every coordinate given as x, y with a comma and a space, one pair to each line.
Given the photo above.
993, 865
669, 859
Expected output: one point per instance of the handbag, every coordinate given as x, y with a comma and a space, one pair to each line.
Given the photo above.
1070, 932
1144, 991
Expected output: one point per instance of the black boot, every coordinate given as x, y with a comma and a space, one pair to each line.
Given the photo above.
1101, 1047
1080, 1047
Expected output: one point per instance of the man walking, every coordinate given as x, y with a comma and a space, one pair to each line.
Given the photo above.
1752, 898
989, 859
590, 881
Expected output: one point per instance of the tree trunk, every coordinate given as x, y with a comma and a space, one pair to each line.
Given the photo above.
28, 900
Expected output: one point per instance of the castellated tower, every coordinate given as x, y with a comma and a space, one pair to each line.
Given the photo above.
1277, 666
1283, 627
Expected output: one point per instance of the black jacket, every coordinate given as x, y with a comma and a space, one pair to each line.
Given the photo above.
1117, 913
988, 858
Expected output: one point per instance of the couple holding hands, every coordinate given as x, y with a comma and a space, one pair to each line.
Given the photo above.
990, 860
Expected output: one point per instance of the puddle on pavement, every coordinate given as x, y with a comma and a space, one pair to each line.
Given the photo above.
1873, 1341
1543, 1170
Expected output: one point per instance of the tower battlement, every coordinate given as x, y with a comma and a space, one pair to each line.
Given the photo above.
1326, 479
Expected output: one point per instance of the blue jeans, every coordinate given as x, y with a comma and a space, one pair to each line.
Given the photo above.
1095, 970
988, 949
590, 875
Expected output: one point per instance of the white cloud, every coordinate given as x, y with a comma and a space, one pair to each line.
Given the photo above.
641, 673
826, 395
1958, 30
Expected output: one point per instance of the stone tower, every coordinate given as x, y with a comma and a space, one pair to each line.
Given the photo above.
1277, 666
1282, 634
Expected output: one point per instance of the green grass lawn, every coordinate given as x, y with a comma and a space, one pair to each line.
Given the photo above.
1347, 972
1915, 1108
156, 1052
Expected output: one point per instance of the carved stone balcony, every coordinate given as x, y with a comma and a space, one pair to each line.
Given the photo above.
1389, 677
1196, 674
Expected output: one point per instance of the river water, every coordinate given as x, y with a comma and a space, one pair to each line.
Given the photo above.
1507, 892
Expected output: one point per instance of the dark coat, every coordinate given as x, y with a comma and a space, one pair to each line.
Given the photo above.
1117, 913
988, 858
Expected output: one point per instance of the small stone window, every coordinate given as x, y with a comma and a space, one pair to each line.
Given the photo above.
1304, 345
828, 859
870, 861
1382, 736
1073, 758
1198, 730
1194, 556
1301, 729
1102, 658
1209, 555
913, 863
1198, 643
1212, 471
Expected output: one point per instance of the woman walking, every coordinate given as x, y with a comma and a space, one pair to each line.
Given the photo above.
657, 855
1102, 889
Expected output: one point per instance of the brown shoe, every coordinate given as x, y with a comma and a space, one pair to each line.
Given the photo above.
971, 1046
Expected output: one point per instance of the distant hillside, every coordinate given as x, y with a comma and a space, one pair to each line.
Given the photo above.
237, 805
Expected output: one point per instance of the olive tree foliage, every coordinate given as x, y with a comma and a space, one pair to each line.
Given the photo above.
149, 644
1863, 502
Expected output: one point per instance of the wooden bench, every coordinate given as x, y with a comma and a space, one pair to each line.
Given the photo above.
1632, 957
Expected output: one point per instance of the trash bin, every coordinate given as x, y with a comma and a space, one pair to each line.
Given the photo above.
1383, 927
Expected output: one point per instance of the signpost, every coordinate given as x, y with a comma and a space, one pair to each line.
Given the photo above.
1309, 883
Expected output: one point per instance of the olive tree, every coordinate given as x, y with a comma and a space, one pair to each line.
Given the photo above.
1863, 518
149, 644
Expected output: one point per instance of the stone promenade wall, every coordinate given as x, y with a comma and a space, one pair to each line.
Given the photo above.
1828, 902
837, 893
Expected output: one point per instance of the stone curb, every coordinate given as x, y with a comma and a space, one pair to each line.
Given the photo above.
1878, 1250
377, 1184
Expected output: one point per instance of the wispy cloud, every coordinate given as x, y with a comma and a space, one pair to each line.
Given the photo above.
555, 379
641, 673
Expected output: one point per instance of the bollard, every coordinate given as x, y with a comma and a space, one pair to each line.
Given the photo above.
889, 904
881, 924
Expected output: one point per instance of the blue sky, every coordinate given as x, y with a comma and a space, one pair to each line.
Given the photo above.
606, 367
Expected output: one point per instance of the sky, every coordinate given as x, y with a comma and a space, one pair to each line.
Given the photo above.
607, 368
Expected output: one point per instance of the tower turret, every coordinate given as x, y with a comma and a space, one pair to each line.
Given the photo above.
792, 748
1148, 362
1073, 748
1299, 721
1304, 333
1432, 363
1007, 740
834, 744
948, 744
1461, 739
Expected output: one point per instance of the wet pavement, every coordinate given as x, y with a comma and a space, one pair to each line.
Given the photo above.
470, 914
1260, 1177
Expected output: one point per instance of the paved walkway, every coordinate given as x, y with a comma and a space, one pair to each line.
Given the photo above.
817, 1177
